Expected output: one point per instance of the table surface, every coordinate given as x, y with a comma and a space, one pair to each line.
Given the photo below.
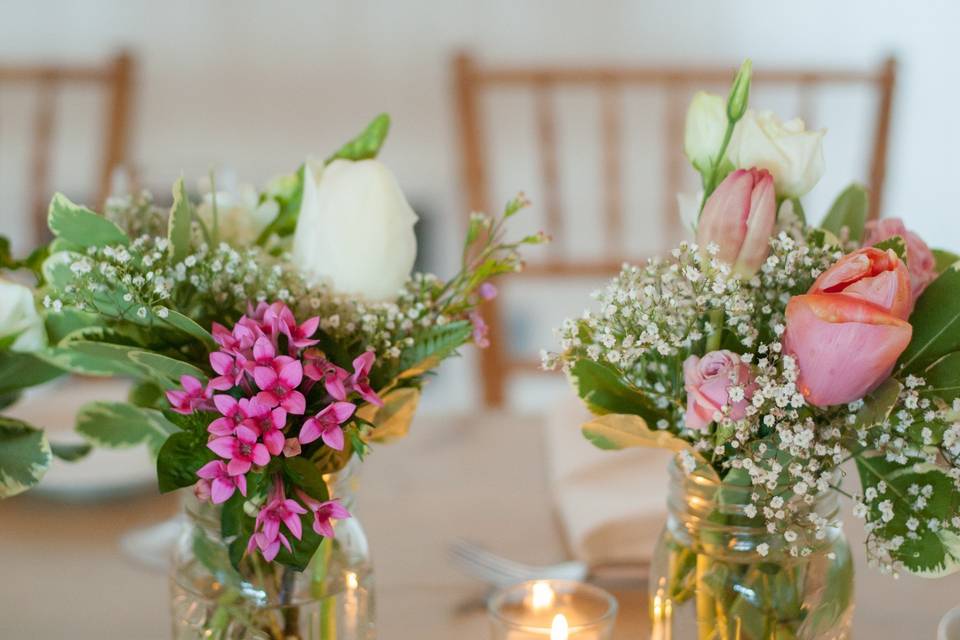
477, 477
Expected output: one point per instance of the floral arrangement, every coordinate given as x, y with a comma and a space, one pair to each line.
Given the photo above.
771, 351
272, 338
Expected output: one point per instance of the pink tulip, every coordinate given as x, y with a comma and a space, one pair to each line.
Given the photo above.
920, 261
872, 275
708, 380
847, 332
739, 217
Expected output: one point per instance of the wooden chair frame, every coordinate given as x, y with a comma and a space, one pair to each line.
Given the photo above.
117, 76
471, 80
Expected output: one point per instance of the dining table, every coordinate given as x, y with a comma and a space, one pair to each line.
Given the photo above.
477, 476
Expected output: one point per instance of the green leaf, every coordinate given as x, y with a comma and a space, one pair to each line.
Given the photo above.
78, 361
188, 326
430, 347
23, 370
899, 246
848, 210
24, 456
179, 459
367, 144
118, 425
286, 221
936, 323
604, 390
61, 324
878, 405
81, 226
926, 553
307, 476
145, 394
944, 259
180, 227
71, 452
162, 368
943, 378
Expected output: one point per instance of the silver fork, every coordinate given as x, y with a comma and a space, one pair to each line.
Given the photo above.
501, 572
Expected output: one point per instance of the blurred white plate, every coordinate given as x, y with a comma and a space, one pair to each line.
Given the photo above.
105, 473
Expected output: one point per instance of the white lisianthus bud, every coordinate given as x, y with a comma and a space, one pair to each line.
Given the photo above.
355, 230
706, 125
19, 317
793, 155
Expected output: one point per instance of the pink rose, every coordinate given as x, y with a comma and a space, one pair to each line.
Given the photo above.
708, 381
739, 217
920, 260
847, 332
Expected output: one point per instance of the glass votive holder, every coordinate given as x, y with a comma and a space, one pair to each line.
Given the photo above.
552, 609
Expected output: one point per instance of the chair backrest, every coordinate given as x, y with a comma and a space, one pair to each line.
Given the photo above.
473, 81
115, 80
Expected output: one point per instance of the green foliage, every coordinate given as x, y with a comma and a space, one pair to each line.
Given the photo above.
925, 552
24, 456
605, 390
80, 226
367, 144
936, 323
180, 230
431, 346
190, 328
307, 476
878, 405
739, 94
23, 370
71, 452
183, 453
107, 359
145, 394
848, 211
289, 210
943, 378
944, 259
118, 425
899, 246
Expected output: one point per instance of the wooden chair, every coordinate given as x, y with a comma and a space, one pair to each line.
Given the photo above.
472, 81
115, 79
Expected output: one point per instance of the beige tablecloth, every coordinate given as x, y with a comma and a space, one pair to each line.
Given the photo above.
479, 477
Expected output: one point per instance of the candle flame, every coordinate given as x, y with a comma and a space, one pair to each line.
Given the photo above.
542, 596
559, 630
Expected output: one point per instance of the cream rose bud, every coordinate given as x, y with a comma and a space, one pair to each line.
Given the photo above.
793, 155
19, 317
705, 128
355, 230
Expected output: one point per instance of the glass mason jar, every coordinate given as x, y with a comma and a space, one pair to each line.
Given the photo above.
332, 599
709, 582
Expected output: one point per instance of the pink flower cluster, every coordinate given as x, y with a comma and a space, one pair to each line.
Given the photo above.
267, 368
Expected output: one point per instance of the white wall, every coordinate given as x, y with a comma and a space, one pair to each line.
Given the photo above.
258, 85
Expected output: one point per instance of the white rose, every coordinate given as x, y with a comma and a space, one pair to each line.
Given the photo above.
19, 317
793, 155
356, 230
705, 128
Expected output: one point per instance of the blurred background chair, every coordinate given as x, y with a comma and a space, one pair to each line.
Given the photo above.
636, 117
112, 81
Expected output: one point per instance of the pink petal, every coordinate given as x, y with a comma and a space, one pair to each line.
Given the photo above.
271, 527
268, 399
191, 385
221, 489
322, 526
265, 377
310, 431
342, 411
333, 437
294, 403
223, 447
238, 466
335, 387
241, 484
221, 362
363, 363
246, 435
336, 510
293, 523
226, 405
260, 454
274, 441
221, 383
291, 374
308, 328
278, 418
211, 470
263, 350
222, 427
271, 551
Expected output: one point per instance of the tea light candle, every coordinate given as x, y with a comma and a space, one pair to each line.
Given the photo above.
552, 609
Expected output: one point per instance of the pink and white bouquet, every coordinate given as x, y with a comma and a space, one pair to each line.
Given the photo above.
273, 338
772, 351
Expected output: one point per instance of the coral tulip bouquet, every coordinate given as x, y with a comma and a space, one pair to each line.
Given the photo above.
777, 357
273, 338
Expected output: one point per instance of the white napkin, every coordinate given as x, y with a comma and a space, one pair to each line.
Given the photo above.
612, 504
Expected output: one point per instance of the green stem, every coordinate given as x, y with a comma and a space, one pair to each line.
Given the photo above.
716, 321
